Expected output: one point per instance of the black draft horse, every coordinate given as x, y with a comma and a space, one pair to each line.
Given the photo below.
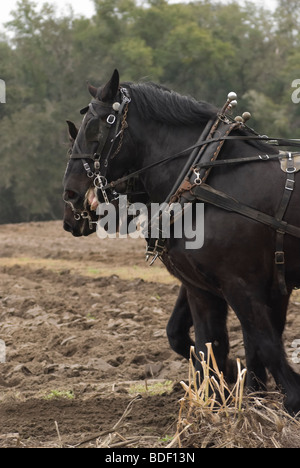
128, 129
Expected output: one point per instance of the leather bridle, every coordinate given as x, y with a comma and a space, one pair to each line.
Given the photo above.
109, 132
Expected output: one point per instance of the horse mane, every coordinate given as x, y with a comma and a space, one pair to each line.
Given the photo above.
161, 104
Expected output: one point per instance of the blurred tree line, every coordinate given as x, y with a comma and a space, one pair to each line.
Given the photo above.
202, 48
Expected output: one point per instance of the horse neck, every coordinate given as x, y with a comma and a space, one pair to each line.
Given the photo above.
157, 141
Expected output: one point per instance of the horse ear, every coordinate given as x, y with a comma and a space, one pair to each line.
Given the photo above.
111, 88
73, 130
92, 90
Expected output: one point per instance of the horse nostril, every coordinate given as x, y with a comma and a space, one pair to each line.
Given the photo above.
71, 194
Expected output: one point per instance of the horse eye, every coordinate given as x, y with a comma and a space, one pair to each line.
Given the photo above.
70, 195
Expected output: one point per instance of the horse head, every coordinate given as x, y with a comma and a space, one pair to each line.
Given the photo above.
94, 150
77, 212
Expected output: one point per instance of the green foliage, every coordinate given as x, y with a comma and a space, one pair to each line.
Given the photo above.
203, 48
60, 394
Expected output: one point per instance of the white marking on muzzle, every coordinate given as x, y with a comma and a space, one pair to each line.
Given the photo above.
91, 199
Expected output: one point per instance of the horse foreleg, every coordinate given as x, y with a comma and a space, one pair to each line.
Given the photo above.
209, 314
180, 323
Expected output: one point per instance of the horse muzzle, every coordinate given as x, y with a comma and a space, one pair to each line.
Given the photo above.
79, 225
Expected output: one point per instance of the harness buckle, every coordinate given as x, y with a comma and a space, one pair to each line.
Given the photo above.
111, 119
290, 184
126, 99
97, 163
89, 171
264, 157
198, 180
279, 258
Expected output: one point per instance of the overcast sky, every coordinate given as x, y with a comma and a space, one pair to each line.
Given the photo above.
86, 7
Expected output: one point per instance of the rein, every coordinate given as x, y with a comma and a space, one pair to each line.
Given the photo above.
266, 157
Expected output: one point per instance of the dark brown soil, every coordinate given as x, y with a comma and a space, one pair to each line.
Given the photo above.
84, 323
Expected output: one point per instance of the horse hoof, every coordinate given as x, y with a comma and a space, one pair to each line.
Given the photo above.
292, 406
231, 371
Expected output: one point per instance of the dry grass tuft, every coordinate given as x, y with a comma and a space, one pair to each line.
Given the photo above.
213, 415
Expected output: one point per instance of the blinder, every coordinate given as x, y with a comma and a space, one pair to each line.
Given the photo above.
99, 126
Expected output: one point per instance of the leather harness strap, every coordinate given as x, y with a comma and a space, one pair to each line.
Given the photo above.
223, 130
207, 194
279, 253
207, 154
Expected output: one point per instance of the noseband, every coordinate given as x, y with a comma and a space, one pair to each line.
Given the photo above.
117, 120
